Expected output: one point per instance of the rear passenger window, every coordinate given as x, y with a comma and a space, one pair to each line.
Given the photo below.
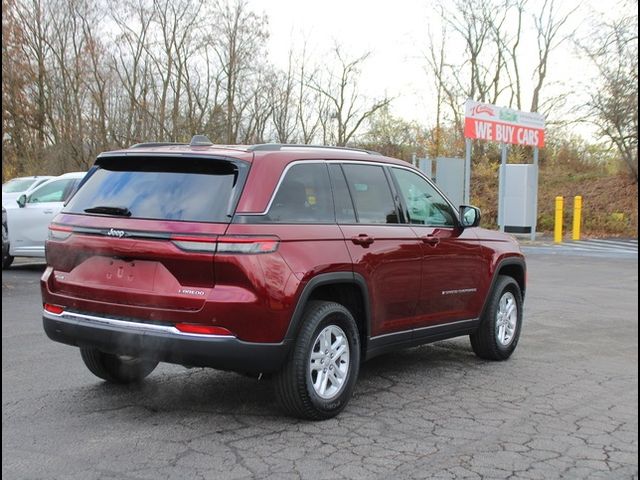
304, 196
344, 206
371, 193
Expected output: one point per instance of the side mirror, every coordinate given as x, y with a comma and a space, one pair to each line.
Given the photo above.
469, 216
22, 200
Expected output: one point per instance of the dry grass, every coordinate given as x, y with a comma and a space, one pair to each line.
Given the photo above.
609, 201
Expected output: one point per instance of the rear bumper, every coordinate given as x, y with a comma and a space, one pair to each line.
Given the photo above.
164, 343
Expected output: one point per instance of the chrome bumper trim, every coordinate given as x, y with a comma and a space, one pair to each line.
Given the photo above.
134, 327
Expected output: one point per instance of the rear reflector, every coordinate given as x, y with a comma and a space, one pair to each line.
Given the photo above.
58, 232
202, 329
53, 308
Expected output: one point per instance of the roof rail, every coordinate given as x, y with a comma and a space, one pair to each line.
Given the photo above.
196, 141
155, 144
272, 147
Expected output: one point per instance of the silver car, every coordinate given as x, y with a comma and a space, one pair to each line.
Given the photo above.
15, 187
27, 222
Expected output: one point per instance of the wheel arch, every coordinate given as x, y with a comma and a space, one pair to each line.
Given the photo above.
514, 267
347, 288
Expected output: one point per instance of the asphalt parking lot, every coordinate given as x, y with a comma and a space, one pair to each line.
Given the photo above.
564, 406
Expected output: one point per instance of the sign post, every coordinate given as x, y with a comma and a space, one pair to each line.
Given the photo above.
502, 185
484, 121
467, 172
535, 194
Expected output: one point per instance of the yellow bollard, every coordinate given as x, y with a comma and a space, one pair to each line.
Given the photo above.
557, 231
577, 216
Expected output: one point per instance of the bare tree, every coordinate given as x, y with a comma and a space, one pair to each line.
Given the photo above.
176, 21
18, 123
311, 105
203, 90
490, 48
446, 94
99, 84
132, 66
282, 95
491, 70
513, 71
480, 24
613, 101
34, 24
239, 36
348, 107
550, 34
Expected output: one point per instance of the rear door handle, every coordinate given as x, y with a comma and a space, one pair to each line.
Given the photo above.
47, 211
430, 240
363, 239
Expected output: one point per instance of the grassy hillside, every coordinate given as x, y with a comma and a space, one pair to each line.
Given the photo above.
609, 200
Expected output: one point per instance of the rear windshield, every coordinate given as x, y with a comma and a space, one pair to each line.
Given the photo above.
163, 188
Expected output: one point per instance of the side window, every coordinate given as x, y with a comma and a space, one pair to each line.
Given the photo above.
371, 193
424, 204
51, 192
304, 196
344, 206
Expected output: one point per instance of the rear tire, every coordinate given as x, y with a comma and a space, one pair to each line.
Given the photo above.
117, 368
318, 378
499, 330
7, 260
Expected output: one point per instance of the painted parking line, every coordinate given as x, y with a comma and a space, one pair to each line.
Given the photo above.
617, 248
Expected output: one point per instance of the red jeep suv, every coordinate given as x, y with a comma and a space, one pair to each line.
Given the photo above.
292, 260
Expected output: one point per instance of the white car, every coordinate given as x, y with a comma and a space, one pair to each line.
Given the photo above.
15, 187
28, 221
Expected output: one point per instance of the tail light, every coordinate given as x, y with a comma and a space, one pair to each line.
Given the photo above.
200, 243
261, 244
194, 243
230, 244
59, 232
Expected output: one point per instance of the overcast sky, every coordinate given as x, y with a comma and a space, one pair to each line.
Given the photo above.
396, 34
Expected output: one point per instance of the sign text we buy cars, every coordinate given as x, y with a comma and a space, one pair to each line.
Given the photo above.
484, 121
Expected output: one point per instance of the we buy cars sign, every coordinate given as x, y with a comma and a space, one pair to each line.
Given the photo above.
489, 122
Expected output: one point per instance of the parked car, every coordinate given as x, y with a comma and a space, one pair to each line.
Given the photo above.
28, 221
15, 187
294, 261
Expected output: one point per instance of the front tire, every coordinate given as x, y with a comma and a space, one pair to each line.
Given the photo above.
117, 368
318, 378
7, 259
499, 330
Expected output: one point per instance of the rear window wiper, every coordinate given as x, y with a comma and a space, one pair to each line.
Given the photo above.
122, 211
